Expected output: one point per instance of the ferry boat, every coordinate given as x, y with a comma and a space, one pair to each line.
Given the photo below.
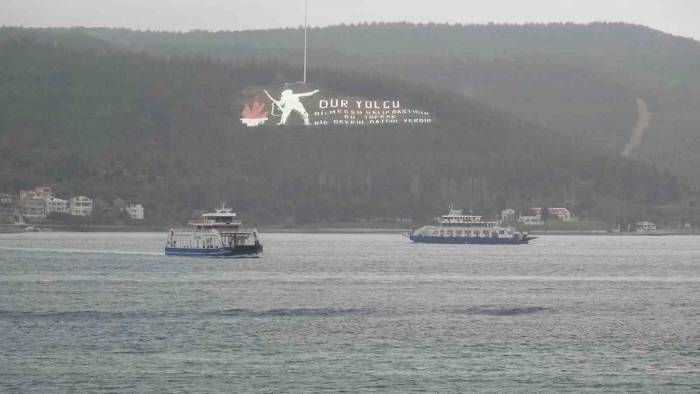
218, 234
458, 228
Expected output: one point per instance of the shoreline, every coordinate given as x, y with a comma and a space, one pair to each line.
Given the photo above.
17, 229
21, 228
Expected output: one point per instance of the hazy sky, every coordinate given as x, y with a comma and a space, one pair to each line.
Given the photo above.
680, 17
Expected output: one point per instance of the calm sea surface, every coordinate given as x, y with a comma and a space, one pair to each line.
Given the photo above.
109, 312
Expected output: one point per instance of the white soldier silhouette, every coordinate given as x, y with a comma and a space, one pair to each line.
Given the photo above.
290, 102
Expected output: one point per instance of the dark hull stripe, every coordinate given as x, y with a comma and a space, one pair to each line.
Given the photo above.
247, 250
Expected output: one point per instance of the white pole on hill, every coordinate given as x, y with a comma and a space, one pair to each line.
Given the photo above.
306, 34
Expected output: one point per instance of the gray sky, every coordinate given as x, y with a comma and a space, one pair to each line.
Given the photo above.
679, 17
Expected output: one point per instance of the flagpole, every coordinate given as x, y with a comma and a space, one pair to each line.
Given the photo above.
306, 34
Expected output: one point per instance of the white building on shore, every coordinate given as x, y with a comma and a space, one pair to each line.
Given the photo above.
645, 227
508, 215
33, 202
33, 208
38, 203
135, 211
562, 214
80, 206
56, 205
43, 192
530, 220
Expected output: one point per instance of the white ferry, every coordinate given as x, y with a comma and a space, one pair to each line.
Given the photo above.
217, 234
458, 228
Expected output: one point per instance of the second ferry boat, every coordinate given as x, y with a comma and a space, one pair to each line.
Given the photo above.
218, 234
458, 228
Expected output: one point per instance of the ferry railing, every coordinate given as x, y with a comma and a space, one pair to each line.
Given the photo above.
213, 222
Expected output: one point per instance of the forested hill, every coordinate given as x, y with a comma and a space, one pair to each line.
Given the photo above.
597, 80
166, 132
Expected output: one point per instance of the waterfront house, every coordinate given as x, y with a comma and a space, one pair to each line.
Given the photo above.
508, 215
645, 227
56, 205
80, 206
43, 192
135, 211
530, 220
33, 208
562, 214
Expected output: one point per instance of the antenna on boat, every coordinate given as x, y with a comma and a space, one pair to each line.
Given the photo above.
306, 34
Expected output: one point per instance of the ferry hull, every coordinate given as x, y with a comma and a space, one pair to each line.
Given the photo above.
238, 251
469, 241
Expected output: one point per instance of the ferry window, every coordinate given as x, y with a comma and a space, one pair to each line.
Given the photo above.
502, 232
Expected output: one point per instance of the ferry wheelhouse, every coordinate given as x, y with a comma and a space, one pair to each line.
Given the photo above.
218, 234
458, 228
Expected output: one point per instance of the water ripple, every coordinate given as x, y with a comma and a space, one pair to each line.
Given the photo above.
101, 315
495, 311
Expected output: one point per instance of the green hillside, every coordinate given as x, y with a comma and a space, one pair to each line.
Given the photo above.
166, 132
582, 80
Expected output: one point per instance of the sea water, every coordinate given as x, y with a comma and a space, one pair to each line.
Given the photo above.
360, 313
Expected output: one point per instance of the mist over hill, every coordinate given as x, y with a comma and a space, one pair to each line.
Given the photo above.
583, 80
166, 132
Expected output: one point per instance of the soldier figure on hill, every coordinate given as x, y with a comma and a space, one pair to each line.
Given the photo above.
290, 102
